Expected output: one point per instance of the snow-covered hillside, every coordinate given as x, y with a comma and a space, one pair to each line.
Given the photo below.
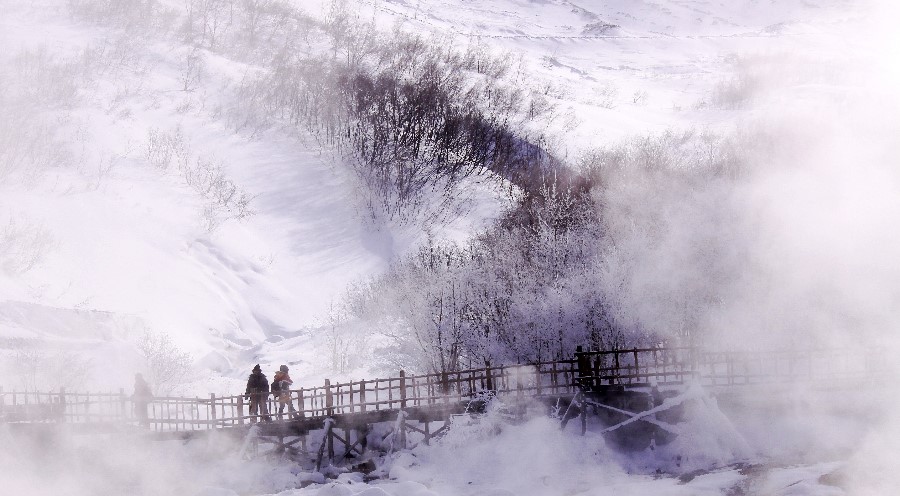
143, 193
113, 221
118, 224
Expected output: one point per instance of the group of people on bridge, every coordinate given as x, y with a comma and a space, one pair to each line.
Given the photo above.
258, 391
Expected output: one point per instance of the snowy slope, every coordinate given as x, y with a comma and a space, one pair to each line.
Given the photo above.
126, 240
99, 243
130, 244
621, 68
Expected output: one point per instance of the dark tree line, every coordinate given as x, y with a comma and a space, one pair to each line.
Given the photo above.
413, 116
594, 256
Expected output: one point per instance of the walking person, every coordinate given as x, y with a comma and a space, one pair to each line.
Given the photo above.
141, 399
281, 385
258, 394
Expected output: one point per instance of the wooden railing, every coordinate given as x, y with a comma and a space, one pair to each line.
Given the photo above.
636, 366
590, 371
667, 366
342, 398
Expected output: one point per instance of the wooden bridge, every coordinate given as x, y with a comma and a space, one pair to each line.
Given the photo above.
623, 383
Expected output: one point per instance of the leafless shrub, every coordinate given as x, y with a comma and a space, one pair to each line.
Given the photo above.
479, 58
734, 92
37, 368
43, 80
138, 17
414, 114
606, 95
29, 146
167, 365
23, 246
561, 268
345, 342
163, 147
639, 97
206, 22
223, 198
193, 70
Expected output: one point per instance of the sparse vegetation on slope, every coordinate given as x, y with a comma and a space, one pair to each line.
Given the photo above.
563, 269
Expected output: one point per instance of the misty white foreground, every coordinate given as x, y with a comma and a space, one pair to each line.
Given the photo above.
759, 450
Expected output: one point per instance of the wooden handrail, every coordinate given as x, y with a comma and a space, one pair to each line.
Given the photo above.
633, 367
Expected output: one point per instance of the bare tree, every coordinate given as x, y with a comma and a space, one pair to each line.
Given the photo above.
167, 365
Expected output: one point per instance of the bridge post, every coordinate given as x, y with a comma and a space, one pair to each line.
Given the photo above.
520, 394
694, 358
618, 372
122, 403
62, 403
402, 426
328, 426
352, 400
637, 370
730, 367
240, 409
362, 396
300, 403
329, 399
519, 386
330, 441
583, 361
212, 408
583, 415
364, 441
403, 389
554, 380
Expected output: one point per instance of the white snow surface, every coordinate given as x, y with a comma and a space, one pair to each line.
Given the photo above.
126, 247
131, 247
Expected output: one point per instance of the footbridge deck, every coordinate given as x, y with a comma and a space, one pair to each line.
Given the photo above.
427, 398
436, 395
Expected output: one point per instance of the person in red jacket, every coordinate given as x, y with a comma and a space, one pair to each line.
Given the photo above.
281, 384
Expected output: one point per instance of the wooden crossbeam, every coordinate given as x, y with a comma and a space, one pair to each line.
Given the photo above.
641, 416
352, 447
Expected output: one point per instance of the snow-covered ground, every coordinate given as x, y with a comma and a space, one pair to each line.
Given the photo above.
122, 243
102, 240
119, 237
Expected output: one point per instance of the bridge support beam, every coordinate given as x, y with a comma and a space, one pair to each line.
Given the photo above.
327, 440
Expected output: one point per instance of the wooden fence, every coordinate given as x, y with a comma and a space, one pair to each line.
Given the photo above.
640, 367
591, 370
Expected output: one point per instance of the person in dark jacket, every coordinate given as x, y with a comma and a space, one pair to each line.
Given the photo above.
258, 394
141, 398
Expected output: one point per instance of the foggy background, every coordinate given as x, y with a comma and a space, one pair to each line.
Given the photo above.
793, 244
